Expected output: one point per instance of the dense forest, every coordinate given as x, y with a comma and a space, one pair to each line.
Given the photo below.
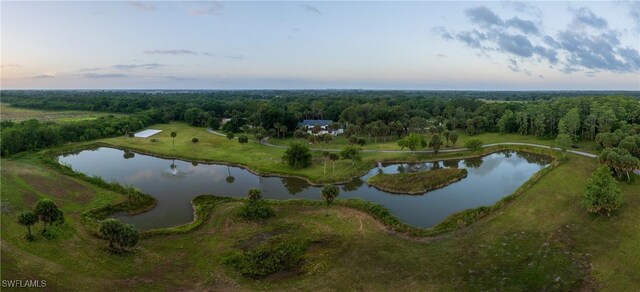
605, 117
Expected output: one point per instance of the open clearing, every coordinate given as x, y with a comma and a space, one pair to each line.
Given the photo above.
9, 113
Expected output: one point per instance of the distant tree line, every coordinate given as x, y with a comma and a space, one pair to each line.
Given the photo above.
376, 115
34, 135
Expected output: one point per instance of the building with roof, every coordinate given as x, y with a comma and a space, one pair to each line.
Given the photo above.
318, 127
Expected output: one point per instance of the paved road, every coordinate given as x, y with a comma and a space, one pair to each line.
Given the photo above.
265, 141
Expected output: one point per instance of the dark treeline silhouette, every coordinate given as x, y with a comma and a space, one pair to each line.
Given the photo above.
581, 115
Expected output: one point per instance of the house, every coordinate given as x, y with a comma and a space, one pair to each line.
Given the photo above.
324, 126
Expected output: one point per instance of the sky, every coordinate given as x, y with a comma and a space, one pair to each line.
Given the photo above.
428, 45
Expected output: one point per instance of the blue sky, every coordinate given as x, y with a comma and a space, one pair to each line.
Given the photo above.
318, 45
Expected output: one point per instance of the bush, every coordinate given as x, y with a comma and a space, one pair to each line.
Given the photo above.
329, 193
297, 155
602, 194
279, 253
121, 236
242, 139
473, 144
256, 210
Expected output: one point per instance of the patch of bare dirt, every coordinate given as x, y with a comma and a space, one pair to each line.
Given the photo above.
59, 187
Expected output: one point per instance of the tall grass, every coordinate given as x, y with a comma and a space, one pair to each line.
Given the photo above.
417, 182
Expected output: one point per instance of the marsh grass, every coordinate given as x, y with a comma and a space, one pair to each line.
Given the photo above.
417, 182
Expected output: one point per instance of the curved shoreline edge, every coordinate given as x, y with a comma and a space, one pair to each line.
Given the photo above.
373, 181
203, 207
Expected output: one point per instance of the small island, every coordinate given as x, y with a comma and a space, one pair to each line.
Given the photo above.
417, 182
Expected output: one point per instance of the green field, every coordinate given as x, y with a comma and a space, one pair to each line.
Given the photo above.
544, 240
391, 142
9, 113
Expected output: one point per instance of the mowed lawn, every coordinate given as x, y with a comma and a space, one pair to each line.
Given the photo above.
542, 241
391, 142
9, 113
259, 158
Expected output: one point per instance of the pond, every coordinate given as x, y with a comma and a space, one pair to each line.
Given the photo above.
174, 183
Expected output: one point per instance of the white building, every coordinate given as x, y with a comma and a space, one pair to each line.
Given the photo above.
310, 125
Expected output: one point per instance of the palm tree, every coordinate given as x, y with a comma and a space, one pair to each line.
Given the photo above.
28, 219
125, 129
333, 157
173, 136
329, 193
254, 194
325, 157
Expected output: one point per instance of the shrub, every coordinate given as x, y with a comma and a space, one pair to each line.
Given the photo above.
329, 193
297, 155
473, 144
256, 210
277, 254
194, 140
242, 139
121, 236
254, 194
602, 194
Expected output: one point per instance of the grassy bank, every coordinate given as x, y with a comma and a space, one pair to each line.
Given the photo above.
417, 182
391, 142
543, 241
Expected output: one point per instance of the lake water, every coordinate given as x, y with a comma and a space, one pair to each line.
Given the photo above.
175, 182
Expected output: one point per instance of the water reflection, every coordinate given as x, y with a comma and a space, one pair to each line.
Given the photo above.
490, 178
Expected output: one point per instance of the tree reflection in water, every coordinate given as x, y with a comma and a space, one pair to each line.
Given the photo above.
475, 162
352, 185
128, 154
230, 179
294, 185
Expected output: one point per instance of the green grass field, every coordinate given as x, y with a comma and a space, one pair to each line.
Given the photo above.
391, 142
542, 241
9, 113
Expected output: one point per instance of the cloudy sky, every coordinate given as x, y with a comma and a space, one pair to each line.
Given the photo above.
317, 45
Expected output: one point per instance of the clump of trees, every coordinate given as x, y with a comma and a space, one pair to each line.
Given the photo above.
329, 193
298, 155
602, 195
473, 144
255, 208
352, 153
45, 211
412, 141
121, 236
33, 135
